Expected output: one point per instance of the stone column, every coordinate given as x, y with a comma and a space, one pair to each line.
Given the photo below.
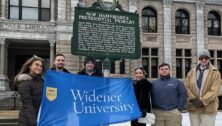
2, 63
133, 5
4, 82
200, 26
183, 64
61, 10
52, 9
167, 32
6, 60
52, 52
3, 9
73, 5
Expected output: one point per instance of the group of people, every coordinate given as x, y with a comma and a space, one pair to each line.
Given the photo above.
169, 96
166, 96
29, 82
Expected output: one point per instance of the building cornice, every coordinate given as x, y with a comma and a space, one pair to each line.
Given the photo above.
218, 2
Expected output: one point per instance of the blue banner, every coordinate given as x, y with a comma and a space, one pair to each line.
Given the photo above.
76, 100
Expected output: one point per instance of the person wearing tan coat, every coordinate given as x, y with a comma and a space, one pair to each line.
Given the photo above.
202, 85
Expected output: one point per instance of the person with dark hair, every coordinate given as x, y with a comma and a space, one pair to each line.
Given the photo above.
142, 89
59, 63
89, 68
168, 98
202, 85
29, 82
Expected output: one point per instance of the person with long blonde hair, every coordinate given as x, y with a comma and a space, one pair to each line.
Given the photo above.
29, 82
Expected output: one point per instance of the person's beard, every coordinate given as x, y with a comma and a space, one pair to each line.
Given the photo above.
60, 67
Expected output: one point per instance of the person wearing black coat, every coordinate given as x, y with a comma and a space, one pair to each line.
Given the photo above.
142, 89
29, 82
89, 68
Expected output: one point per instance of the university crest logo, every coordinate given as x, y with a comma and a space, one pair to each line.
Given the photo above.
51, 93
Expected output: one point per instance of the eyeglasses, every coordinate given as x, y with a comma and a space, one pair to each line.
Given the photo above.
204, 57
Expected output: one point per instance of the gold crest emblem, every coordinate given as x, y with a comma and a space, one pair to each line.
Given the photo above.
51, 93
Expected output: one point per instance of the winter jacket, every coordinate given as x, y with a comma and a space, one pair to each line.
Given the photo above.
142, 91
30, 90
207, 94
168, 93
64, 70
96, 73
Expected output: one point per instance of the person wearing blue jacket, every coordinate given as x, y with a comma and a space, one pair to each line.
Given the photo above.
168, 98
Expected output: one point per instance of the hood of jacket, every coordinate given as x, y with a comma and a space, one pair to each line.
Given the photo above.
22, 77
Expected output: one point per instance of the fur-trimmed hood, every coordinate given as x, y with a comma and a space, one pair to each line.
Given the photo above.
23, 77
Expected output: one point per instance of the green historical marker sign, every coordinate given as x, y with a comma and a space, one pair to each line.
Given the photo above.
101, 33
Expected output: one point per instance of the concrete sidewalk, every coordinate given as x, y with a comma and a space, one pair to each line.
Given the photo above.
186, 120
13, 115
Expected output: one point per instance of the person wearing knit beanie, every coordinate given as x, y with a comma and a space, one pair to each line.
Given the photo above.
202, 85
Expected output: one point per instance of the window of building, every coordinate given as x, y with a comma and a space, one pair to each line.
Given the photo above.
99, 66
113, 68
212, 56
149, 20
214, 23
216, 59
29, 10
182, 22
150, 61
122, 66
183, 62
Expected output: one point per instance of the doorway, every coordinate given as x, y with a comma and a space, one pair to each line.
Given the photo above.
21, 50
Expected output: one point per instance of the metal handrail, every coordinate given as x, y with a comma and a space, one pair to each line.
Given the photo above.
14, 99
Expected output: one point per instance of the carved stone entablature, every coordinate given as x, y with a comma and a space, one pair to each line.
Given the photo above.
213, 8
2, 41
199, 5
52, 42
133, 2
167, 3
27, 27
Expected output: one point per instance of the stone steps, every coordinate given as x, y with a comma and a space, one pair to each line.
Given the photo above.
9, 108
9, 101
8, 117
8, 122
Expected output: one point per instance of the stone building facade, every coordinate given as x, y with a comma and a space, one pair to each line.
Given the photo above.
172, 31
